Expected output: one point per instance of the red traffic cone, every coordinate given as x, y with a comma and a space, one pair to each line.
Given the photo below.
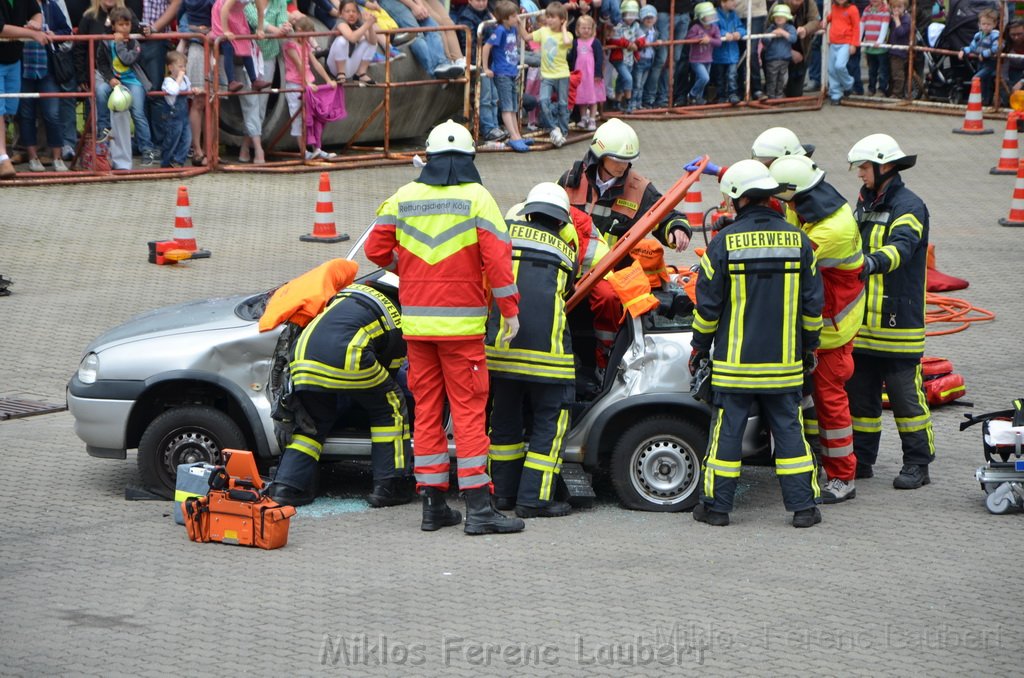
1016, 217
973, 121
1009, 155
183, 227
693, 207
323, 227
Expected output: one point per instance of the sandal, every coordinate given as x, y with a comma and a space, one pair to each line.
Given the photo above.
199, 160
364, 79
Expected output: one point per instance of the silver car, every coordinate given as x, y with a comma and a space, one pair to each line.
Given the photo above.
184, 382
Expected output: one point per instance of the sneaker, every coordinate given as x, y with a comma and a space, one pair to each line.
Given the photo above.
519, 146
311, 155
557, 139
812, 86
35, 165
911, 477
149, 158
59, 165
396, 54
496, 134
378, 58
807, 518
67, 152
834, 102
449, 70
702, 514
836, 490
865, 471
760, 96
733, 99
402, 38
591, 125
461, 63
324, 155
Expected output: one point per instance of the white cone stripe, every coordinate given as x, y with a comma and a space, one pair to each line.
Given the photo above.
182, 211
323, 196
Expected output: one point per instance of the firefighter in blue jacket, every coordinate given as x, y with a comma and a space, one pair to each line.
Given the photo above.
348, 355
537, 365
759, 302
894, 231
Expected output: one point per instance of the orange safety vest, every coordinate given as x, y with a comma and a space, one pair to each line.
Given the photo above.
585, 197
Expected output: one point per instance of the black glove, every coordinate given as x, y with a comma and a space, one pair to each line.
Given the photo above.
722, 222
870, 266
696, 357
810, 362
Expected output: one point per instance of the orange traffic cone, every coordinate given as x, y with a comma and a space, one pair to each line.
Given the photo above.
323, 227
973, 121
183, 227
1016, 217
1009, 155
693, 207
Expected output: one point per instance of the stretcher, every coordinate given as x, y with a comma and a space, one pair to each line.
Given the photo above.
1002, 477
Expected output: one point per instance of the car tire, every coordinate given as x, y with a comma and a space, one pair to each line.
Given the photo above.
184, 435
655, 464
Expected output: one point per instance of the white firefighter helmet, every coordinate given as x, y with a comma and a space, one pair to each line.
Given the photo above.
615, 139
776, 142
795, 174
880, 149
120, 99
450, 137
547, 198
748, 178
783, 10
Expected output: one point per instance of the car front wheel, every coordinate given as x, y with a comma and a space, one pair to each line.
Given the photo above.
184, 435
655, 464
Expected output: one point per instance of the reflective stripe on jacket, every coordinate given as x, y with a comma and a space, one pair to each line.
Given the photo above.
894, 231
837, 251
351, 345
759, 301
442, 241
543, 263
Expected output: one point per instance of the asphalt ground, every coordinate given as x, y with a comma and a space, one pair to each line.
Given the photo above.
892, 583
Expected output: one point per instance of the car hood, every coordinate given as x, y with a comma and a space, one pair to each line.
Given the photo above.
193, 316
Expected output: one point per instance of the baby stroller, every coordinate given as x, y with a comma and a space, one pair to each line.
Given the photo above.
949, 78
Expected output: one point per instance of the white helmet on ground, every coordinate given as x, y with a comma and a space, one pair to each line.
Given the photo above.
778, 142
450, 137
795, 174
547, 198
880, 149
748, 179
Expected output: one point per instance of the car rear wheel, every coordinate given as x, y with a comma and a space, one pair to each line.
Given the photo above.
184, 435
655, 464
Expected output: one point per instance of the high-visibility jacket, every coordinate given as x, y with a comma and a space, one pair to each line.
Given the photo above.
544, 264
894, 231
759, 302
625, 201
591, 244
442, 241
353, 344
830, 224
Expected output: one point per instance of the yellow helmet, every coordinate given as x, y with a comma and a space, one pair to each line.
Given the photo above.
795, 174
776, 142
748, 178
450, 137
615, 139
880, 149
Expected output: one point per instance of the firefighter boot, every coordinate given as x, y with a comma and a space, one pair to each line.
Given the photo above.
391, 492
807, 518
911, 477
702, 514
481, 518
286, 495
436, 512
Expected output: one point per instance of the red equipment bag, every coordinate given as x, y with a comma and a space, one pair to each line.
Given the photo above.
941, 385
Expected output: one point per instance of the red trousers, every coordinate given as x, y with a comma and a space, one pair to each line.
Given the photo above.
456, 369
835, 367
607, 310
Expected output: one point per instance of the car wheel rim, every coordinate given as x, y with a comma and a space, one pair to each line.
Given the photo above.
664, 470
189, 446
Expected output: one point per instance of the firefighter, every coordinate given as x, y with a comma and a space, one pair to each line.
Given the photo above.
894, 229
442, 234
759, 301
828, 221
347, 355
537, 366
605, 186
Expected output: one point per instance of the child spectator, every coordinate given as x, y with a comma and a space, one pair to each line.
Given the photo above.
898, 57
472, 16
705, 31
173, 111
37, 76
874, 22
984, 47
587, 59
778, 50
500, 58
725, 58
843, 23
554, 41
18, 19
119, 63
197, 19
299, 67
626, 39
228, 20
355, 45
644, 55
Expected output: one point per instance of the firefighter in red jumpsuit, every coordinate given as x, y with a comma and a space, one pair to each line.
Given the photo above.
442, 234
